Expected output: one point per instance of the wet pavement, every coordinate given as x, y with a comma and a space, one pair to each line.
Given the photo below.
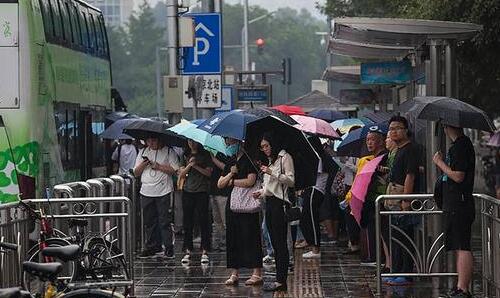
335, 275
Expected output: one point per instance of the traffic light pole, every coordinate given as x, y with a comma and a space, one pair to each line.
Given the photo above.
172, 46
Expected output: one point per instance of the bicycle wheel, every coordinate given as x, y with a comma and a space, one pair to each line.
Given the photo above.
104, 261
32, 283
92, 293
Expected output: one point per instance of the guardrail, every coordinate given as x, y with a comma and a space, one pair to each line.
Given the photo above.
426, 246
14, 227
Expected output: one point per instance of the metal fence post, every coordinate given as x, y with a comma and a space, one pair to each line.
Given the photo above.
120, 189
98, 190
134, 205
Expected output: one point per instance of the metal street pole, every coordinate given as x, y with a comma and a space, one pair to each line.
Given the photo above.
172, 46
245, 36
158, 83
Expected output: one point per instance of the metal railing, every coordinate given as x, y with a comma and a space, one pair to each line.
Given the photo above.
14, 227
426, 245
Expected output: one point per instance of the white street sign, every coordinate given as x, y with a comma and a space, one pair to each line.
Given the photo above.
210, 95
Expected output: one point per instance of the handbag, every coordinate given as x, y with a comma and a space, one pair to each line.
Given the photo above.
294, 212
438, 192
242, 200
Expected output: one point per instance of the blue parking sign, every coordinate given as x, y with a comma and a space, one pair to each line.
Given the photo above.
206, 55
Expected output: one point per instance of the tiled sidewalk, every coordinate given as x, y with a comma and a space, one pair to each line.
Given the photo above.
335, 275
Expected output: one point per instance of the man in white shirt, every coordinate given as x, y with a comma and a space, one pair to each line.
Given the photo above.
156, 164
125, 154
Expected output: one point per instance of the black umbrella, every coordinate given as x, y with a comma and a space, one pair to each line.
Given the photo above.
327, 115
294, 141
145, 128
448, 111
114, 116
264, 112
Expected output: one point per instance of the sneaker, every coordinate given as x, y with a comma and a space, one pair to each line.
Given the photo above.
169, 253
368, 263
328, 240
458, 293
311, 255
399, 281
186, 259
204, 259
268, 260
147, 253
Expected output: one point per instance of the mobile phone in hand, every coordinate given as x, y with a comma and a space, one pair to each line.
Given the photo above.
145, 158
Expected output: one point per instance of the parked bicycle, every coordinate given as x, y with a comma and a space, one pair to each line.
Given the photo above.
85, 256
50, 286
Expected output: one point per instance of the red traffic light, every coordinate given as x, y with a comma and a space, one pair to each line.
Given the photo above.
260, 42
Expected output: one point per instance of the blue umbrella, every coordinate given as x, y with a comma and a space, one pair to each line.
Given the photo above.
327, 115
230, 124
115, 130
344, 125
191, 131
198, 121
354, 144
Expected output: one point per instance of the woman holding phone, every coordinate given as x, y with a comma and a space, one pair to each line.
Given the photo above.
279, 175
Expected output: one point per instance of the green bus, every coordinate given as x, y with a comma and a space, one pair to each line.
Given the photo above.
55, 92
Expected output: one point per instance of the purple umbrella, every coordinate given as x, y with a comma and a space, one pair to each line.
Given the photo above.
494, 140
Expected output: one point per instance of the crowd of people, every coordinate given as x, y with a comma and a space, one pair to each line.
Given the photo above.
262, 183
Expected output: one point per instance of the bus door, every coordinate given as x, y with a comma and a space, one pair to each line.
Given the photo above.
85, 144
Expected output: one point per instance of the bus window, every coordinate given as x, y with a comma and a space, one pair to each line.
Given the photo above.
72, 27
47, 19
75, 18
66, 24
104, 36
100, 36
56, 19
85, 31
66, 118
93, 35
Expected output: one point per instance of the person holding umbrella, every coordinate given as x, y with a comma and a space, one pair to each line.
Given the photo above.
243, 237
125, 155
195, 198
458, 203
279, 176
156, 164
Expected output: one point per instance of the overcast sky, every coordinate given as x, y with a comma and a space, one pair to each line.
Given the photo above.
271, 4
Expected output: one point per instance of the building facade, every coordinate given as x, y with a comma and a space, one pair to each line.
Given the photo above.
116, 12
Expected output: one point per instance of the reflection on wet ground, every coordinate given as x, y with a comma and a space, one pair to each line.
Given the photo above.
335, 275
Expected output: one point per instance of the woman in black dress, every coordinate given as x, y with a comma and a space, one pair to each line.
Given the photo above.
243, 238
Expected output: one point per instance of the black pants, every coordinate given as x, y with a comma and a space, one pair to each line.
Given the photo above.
195, 206
157, 214
278, 227
401, 260
352, 227
309, 223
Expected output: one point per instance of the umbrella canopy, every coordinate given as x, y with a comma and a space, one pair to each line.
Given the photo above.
191, 131
115, 130
354, 144
230, 124
264, 112
290, 110
376, 117
114, 116
449, 111
344, 125
494, 140
198, 121
360, 186
327, 115
305, 159
315, 126
145, 128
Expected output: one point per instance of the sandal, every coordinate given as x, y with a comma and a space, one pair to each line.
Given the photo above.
301, 244
232, 280
254, 280
204, 259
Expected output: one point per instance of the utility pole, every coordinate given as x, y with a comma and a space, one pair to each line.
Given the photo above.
245, 37
172, 46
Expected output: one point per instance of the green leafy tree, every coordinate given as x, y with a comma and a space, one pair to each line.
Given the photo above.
479, 58
133, 52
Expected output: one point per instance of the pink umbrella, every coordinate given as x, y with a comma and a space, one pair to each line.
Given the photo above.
360, 186
315, 126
